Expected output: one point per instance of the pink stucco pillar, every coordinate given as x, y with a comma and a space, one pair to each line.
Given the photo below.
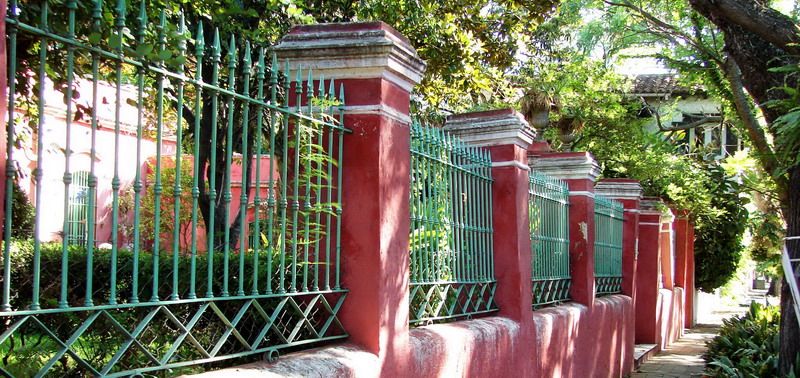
684, 259
648, 272
378, 68
580, 171
629, 193
506, 135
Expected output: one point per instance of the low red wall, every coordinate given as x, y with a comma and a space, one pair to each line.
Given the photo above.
670, 319
575, 342
566, 341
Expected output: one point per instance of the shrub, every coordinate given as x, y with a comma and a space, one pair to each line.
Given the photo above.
747, 346
26, 350
22, 213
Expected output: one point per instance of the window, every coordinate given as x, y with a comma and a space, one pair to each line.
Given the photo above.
78, 209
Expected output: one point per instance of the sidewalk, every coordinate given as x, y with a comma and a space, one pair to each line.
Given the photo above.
684, 357
681, 359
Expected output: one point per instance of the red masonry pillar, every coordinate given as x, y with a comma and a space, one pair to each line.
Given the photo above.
629, 193
679, 232
378, 68
648, 272
684, 270
580, 171
506, 135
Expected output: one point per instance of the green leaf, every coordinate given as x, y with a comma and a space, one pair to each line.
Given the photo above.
143, 50
164, 55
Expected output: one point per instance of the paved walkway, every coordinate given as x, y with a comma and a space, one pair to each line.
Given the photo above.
681, 359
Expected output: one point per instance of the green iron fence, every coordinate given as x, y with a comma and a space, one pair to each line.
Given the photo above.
452, 271
133, 297
548, 206
608, 219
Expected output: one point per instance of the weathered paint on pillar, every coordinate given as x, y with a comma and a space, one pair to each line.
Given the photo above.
684, 261
580, 171
648, 272
378, 69
507, 136
629, 193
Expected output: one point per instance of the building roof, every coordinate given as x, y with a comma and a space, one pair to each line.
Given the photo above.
661, 84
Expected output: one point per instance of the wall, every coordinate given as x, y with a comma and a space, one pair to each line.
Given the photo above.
590, 337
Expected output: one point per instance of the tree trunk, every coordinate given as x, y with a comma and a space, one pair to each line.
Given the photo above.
790, 329
759, 39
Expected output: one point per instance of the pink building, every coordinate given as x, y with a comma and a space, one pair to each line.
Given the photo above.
54, 134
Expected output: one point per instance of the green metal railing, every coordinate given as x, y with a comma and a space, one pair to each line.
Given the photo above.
608, 219
452, 271
133, 297
548, 206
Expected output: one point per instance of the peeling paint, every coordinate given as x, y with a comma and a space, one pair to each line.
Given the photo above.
584, 227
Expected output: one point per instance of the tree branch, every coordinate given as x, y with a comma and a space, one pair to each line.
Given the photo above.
769, 24
765, 154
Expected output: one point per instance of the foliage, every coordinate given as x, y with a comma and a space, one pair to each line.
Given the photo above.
787, 125
746, 346
20, 353
23, 215
718, 236
166, 200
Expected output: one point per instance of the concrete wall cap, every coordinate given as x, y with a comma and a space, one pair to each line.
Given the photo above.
651, 206
566, 166
625, 190
491, 128
353, 51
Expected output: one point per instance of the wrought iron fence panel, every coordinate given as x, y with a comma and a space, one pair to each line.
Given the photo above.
452, 271
157, 148
608, 222
549, 227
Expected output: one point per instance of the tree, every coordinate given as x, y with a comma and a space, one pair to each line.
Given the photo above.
760, 42
467, 44
575, 65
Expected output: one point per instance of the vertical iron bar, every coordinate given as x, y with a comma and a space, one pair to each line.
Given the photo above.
284, 179
11, 32
212, 184
329, 184
176, 189
38, 171
157, 188
339, 185
141, 32
318, 187
246, 160
226, 195
199, 50
307, 184
298, 92
72, 5
271, 204
97, 14
260, 76
119, 23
